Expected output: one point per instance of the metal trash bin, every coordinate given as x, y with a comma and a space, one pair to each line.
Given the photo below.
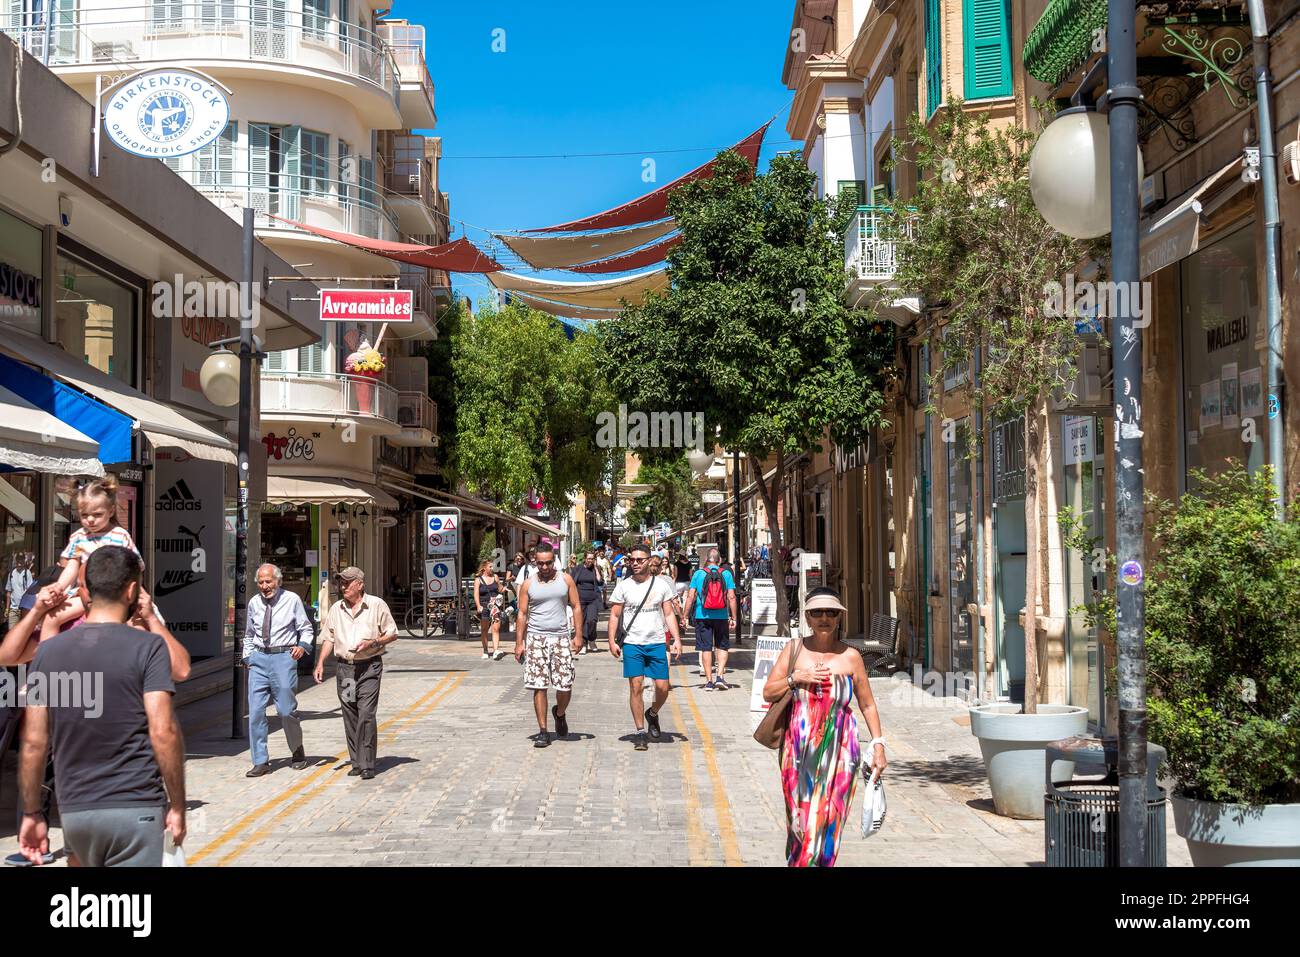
1081, 818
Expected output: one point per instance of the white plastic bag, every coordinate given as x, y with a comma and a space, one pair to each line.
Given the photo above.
173, 856
873, 804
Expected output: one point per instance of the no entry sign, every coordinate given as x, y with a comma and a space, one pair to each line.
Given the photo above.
367, 305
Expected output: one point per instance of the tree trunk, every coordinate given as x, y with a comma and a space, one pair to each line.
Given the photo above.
1033, 466
770, 497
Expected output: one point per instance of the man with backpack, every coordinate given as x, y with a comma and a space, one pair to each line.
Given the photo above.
713, 593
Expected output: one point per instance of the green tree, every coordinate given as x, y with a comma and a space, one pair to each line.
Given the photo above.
527, 399
672, 499
973, 245
442, 387
753, 330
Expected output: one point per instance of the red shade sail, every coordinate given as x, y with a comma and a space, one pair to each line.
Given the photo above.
459, 256
654, 205
633, 260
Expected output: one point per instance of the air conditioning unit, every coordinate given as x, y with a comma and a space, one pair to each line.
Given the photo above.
1093, 378
110, 52
1291, 162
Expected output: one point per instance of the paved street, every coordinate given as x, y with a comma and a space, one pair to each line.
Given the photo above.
460, 783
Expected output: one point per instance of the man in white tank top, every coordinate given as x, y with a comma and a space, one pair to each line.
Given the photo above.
545, 643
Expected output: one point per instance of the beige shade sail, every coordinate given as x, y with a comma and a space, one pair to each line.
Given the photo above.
558, 252
604, 294
563, 309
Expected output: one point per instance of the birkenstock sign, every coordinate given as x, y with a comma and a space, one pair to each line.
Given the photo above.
166, 113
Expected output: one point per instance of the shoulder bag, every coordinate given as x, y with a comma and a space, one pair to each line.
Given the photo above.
622, 629
770, 732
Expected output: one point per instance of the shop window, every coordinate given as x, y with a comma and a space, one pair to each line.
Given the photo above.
19, 546
20, 274
1225, 379
95, 318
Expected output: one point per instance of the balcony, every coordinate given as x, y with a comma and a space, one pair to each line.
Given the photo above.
409, 181
871, 259
417, 414
234, 38
406, 40
330, 396
416, 279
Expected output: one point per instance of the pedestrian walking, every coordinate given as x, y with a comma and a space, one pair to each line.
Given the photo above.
682, 572
591, 595
513, 569
486, 589
712, 595
544, 644
357, 628
17, 582
821, 756
643, 651
119, 761
277, 635
606, 569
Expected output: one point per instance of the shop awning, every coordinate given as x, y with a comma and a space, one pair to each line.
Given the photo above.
458, 256
304, 490
31, 438
1173, 232
109, 429
16, 503
474, 507
161, 424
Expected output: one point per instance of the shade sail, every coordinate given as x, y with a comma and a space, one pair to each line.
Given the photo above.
458, 256
559, 252
654, 205
314, 490
31, 438
564, 310
601, 294
109, 429
160, 423
634, 260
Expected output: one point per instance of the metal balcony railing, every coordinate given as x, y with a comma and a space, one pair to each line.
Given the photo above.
415, 278
328, 393
100, 32
406, 40
869, 254
415, 410
408, 172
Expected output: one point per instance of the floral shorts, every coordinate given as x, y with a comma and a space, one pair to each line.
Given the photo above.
548, 661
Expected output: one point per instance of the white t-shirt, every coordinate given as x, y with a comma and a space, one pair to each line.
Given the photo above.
649, 627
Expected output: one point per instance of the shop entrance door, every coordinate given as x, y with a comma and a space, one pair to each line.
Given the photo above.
1009, 542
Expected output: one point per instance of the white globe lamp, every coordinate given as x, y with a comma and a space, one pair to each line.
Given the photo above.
1069, 173
699, 461
219, 378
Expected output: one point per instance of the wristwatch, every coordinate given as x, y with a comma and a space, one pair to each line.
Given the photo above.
789, 681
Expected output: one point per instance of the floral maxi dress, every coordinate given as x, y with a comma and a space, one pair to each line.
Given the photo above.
819, 770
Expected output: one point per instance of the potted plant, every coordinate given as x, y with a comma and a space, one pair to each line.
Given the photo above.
972, 242
1223, 670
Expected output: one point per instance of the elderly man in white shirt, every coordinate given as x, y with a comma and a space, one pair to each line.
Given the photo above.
356, 630
277, 635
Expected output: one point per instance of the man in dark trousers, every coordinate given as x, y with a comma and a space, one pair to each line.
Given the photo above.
101, 694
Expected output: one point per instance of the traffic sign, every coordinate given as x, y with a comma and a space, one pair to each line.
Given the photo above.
442, 532
440, 578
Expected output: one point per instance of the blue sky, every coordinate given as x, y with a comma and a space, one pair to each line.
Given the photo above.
618, 76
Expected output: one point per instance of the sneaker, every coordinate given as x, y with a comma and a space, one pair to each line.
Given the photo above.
583, 651
561, 723
652, 722
639, 741
541, 739
498, 656
709, 685
486, 656
720, 685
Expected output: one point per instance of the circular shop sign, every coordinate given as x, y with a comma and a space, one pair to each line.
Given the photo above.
165, 113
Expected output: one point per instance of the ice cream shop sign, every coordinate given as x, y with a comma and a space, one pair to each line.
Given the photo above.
290, 446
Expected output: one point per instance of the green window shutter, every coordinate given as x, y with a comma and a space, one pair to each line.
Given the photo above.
292, 180
347, 171
259, 166
933, 56
856, 187
310, 358
986, 30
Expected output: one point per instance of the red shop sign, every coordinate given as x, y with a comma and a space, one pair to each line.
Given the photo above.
367, 305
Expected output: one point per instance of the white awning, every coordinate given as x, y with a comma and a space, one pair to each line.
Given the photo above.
161, 424
480, 509
16, 503
303, 490
31, 438
1173, 232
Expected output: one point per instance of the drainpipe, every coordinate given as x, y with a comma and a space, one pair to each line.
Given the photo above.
978, 616
18, 101
1272, 247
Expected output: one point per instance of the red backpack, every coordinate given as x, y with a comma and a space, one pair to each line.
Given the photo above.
715, 590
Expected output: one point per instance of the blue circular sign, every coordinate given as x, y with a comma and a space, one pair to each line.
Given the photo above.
440, 570
435, 523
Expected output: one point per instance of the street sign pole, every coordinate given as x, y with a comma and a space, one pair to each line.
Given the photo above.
441, 571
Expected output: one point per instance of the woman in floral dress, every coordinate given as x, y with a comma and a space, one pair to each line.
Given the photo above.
821, 755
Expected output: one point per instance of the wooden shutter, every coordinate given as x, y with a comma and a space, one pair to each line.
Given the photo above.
933, 55
986, 30
310, 358
291, 188
347, 177
274, 362
259, 166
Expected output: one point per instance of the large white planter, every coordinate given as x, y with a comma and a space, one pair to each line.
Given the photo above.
1238, 835
1014, 746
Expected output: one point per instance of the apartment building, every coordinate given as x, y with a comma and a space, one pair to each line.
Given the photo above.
325, 98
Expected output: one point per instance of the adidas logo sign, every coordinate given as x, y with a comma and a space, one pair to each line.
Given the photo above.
178, 498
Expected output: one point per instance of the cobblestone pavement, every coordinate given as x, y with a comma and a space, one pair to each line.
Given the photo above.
459, 782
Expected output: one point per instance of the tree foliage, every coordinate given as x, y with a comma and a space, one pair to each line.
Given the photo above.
754, 331
527, 399
673, 498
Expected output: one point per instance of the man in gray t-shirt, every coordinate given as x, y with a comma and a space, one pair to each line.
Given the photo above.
545, 642
101, 695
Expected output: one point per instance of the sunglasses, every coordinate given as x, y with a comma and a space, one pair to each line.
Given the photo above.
638, 560
546, 564
824, 613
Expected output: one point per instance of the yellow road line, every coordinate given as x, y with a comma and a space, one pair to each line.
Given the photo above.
697, 853
229, 833
269, 826
726, 827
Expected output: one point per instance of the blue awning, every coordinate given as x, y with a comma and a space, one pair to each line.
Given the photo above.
110, 428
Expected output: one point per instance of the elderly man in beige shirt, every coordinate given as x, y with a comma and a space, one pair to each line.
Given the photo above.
356, 630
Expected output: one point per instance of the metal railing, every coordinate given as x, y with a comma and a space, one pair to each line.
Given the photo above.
176, 32
406, 40
869, 253
409, 173
415, 410
415, 278
328, 393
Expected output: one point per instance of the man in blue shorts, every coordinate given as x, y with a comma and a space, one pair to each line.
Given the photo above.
713, 593
648, 601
